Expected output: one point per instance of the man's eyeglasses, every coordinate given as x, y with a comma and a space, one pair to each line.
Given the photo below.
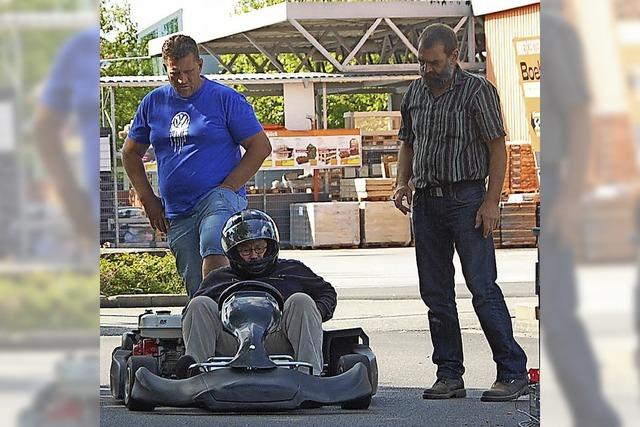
259, 250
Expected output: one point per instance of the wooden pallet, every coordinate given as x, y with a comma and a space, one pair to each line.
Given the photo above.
306, 248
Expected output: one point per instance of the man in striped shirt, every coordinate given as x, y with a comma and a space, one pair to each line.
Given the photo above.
452, 140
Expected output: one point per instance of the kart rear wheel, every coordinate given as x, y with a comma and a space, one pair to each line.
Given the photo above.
133, 364
345, 363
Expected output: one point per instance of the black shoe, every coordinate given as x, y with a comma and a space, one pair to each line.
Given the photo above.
504, 391
182, 366
445, 388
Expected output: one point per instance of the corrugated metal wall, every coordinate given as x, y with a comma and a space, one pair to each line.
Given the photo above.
500, 30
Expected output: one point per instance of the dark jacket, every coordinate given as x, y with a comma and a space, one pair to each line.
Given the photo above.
289, 277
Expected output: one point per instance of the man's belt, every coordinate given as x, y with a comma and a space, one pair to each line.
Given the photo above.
449, 188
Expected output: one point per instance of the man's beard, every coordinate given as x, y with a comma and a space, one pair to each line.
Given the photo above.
439, 80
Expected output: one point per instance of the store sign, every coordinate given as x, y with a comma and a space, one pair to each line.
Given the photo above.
529, 70
314, 149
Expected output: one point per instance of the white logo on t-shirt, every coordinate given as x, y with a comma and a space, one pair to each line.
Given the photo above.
179, 131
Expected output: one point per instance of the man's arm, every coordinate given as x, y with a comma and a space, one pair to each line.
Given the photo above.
132, 154
257, 149
489, 212
50, 147
322, 292
405, 162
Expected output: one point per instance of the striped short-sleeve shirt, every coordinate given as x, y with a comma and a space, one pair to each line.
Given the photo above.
449, 133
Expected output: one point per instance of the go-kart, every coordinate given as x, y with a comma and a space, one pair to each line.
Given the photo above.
143, 367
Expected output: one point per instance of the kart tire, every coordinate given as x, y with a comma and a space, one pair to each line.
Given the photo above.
345, 363
133, 364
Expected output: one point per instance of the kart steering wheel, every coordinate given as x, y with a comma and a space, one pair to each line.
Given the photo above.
251, 285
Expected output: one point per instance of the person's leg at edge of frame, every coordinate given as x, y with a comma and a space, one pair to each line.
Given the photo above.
434, 256
477, 256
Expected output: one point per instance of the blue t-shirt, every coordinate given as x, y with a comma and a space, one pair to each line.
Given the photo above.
196, 140
70, 91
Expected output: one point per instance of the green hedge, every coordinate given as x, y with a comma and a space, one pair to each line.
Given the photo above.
139, 273
48, 301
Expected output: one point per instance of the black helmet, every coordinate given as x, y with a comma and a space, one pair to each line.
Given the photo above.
251, 224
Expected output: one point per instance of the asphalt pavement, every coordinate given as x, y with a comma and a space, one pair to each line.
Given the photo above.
377, 290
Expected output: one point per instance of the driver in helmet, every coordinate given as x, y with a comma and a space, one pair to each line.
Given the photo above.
251, 243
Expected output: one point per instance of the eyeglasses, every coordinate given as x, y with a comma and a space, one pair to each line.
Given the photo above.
259, 250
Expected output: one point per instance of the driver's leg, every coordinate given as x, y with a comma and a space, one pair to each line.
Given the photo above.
300, 331
203, 333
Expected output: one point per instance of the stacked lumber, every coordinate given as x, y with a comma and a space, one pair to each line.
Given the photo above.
607, 229
384, 225
383, 138
517, 221
335, 178
374, 188
504, 194
523, 177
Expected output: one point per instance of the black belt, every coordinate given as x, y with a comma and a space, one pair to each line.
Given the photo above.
448, 188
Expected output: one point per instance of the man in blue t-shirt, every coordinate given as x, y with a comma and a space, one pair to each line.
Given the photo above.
196, 127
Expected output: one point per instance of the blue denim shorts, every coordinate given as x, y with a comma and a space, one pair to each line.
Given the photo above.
199, 235
203, 228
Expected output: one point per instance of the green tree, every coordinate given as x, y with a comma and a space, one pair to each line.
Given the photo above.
118, 39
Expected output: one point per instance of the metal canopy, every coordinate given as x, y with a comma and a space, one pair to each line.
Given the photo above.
348, 37
271, 84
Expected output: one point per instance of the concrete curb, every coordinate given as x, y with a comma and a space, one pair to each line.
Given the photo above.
510, 290
142, 301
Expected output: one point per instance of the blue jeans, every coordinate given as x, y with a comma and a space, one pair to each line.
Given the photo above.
198, 235
441, 224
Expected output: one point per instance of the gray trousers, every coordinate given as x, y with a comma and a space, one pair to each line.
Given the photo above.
299, 333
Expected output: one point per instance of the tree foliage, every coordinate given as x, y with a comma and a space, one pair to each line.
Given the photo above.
118, 39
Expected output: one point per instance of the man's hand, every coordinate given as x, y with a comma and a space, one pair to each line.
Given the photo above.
155, 211
402, 192
488, 215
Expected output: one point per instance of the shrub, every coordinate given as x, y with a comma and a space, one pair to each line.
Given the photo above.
48, 301
139, 273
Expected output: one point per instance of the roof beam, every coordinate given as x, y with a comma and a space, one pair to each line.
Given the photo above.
404, 38
460, 24
316, 44
362, 41
471, 41
274, 61
220, 61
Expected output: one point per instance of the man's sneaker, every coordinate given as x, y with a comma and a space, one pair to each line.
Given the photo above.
504, 391
445, 388
182, 366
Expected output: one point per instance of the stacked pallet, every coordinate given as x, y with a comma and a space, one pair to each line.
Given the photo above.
348, 189
517, 221
522, 169
374, 188
606, 233
504, 195
389, 138
335, 178
325, 225
383, 225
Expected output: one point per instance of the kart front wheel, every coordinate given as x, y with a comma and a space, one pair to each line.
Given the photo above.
345, 363
133, 364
